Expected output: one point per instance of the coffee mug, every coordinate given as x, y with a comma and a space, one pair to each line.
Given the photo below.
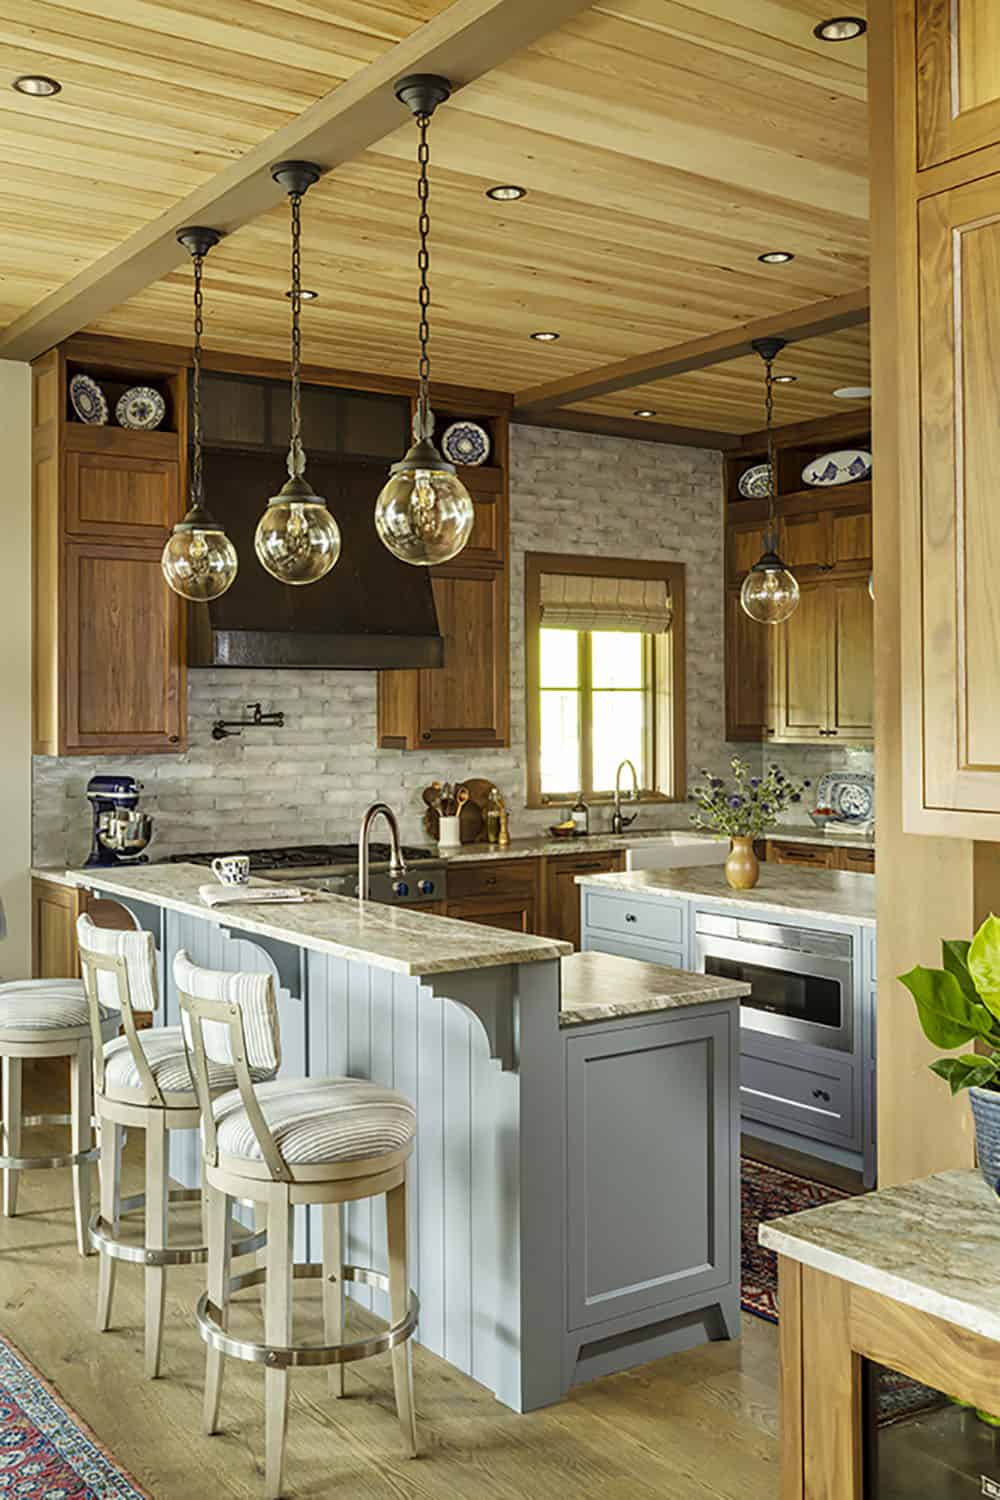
232, 869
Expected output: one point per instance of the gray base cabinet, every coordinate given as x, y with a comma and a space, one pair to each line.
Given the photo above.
652, 1186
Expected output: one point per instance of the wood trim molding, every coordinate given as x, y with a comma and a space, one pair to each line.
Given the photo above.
828, 316
466, 40
626, 427
537, 563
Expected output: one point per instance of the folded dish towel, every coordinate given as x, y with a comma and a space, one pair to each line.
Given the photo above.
844, 825
252, 895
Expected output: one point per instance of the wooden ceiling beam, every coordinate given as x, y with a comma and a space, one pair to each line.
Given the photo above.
828, 316
462, 43
628, 427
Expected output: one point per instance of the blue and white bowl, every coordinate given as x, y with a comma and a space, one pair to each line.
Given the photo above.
466, 443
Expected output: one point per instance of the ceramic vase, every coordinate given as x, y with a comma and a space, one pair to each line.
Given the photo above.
742, 867
986, 1115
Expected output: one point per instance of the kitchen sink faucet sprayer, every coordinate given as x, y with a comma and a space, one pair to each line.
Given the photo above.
618, 822
397, 864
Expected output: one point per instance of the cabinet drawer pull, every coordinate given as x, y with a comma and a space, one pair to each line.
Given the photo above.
630, 916
821, 1094
491, 880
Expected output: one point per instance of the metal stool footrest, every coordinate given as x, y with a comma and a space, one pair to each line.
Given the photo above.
33, 1163
209, 1320
102, 1237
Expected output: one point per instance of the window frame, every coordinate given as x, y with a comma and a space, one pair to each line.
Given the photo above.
664, 670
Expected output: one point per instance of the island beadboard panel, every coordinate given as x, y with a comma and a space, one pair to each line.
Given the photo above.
570, 492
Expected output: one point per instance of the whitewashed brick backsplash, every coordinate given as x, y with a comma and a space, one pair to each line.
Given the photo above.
310, 782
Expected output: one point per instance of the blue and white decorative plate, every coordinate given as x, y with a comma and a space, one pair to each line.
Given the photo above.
754, 483
842, 467
466, 443
851, 794
142, 409
89, 401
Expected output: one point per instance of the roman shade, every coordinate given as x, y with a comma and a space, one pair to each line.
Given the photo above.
576, 601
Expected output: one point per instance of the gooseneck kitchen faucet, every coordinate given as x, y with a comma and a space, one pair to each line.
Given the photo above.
397, 864
618, 822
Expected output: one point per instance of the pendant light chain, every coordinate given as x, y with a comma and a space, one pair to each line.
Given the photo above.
770, 538
197, 484
423, 265
296, 452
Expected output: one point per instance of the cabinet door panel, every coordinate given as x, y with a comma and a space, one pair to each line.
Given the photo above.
802, 687
744, 544
958, 65
852, 702
465, 702
954, 616
749, 694
852, 538
136, 497
805, 541
563, 894
512, 914
122, 662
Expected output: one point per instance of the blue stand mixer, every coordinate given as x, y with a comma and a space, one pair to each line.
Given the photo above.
120, 831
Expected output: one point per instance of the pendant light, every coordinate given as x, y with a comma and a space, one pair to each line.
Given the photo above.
770, 592
199, 561
424, 514
297, 540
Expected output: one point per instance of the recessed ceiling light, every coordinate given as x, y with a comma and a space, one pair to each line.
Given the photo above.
506, 192
644, 411
776, 257
840, 29
545, 337
305, 294
853, 392
37, 85
785, 379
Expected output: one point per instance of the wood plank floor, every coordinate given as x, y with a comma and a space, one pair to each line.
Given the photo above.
703, 1423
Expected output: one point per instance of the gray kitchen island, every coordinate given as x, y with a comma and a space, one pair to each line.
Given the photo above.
575, 1194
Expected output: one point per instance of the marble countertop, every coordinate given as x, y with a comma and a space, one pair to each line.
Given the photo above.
385, 937
602, 986
790, 891
933, 1244
591, 843
807, 833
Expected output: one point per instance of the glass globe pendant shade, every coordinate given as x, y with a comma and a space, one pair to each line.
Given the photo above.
199, 561
424, 514
297, 539
770, 592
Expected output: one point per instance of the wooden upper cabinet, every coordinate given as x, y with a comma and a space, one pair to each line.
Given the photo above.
744, 544
802, 668
952, 630
122, 661
851, 538
466, 701
805, 541
749, 695
851, 713
131, 497
958, 78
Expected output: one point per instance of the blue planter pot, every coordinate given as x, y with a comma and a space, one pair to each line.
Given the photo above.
986, 1114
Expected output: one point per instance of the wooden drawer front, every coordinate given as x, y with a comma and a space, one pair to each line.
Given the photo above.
860, 860
515, 877
511, 913
120, 499
814, 1098
647, 953
820, 856
652, 921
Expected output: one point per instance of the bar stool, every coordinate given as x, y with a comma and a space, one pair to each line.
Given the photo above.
327, 1141
49, 1018
142, 1080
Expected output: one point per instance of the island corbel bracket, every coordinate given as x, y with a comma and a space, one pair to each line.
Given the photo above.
489, 997
289, 961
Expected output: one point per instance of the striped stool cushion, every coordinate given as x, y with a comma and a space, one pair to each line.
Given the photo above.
43, 1005
163, 1047
317, 1120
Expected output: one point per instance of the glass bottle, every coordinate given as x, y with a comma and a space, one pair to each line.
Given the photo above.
493, 816
581, 817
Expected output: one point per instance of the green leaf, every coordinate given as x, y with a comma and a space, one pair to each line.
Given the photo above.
955, 957
946, 1014
967, 1072
984, 963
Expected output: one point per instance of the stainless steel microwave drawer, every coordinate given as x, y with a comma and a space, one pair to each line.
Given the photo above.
654, 921
810, 1097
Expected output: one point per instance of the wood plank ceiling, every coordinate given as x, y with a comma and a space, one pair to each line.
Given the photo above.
663, 145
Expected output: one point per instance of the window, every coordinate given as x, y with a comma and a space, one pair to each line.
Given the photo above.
604, 642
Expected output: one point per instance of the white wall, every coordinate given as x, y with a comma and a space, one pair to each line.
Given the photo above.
15, 674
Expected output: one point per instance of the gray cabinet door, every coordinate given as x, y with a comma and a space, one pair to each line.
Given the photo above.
653, 1206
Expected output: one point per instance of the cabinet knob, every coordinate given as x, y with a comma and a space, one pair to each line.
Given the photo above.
630, 916
426, 735
821, 1094
175, 739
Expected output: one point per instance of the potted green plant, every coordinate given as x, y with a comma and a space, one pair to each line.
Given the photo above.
743, 809
957, 1003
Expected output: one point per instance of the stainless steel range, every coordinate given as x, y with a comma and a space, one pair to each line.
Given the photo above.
334, 868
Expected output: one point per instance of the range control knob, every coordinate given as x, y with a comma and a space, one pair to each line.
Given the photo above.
400, 888
426, 888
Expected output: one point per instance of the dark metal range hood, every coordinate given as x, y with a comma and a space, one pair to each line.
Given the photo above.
370, 611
